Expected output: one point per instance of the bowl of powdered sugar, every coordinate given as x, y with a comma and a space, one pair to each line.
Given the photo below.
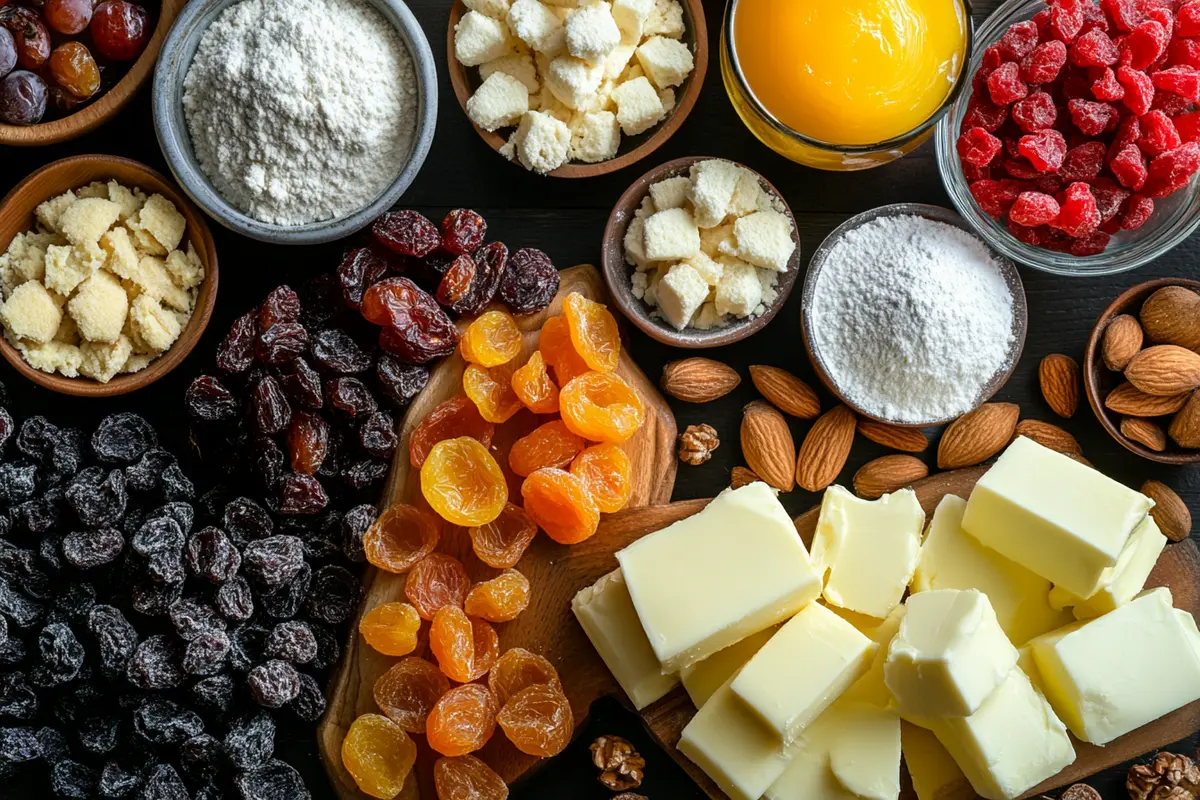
295, 121
910, 318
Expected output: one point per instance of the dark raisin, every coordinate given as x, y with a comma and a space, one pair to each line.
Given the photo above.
267, 461
309, 704
246, 646
42, 514
176, 485
206, 654
158, 535
401, 382
17, 607
234, 599
281, 343
289, 600
366, 473
302, 384
236, 352
491, 264
250, 741
116, 640
308, 442
271, 410
530, 283
273, 561
192, 618
99, 504
427, 272
19, 702
273, 781
334, 595
455, 287
18, 482
320, 300
155, 665
98, 733
123, 438
167, 567
350, 397
463, 231
212, 556
208, 401
335, 351
54, 744
36, 437
74, 602
329, 649
180, 511
73, 780
243, 519
359, 270
61, 656
6, 424
153, 598
163, 783
406, 233
215, 693
292, 641
282, 305
301, 494
66, 456
164, 722
353, 527
116, 782
420, 341
377, 436
18, 745
146, 474
200, 758
273, 684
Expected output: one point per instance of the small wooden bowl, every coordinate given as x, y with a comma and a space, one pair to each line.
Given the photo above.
1098, 381
107, 105
617, 272
16, 216
465, 81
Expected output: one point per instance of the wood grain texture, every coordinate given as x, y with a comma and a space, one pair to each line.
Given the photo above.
555, 572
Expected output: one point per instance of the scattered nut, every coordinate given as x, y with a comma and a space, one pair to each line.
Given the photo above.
1144, 432
697, 443
742, 476
620, 764
1123, 339
1061, 379
1156, 780
1080, 791
1170, 512
698, 380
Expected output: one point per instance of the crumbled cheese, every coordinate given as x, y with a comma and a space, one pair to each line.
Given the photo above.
162, 220
158, 327
681, 292
671, 193
667, 98
186, 268
592, 32
542, 142
635, 251
537, 26
671, 234
143, 239
31, 312
638, 284
67, 267
631, 16
51, 357
739, 293
49, 213
714, 240
665, 61
479, 38
665, 20
574, 81
489, 8
25, 260
518, 65
99, 308
85, 221
101, 362
616, 61
93, 189
708, 318
498, 103
713, 184
595, 137
645, 208
749, 196
153, 279
651, 295
707, 268
130, 200
122, 255
137, 362
764, 239
638, 106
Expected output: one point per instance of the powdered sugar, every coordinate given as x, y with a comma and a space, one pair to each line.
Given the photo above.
301, 110
911, 318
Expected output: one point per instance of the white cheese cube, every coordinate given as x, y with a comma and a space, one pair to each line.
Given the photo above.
592, 32
574, 81
479, 38
764, 238
665, 20
99, 308
749, 196
86, 220
31, 312
708, 318
51, 357
537, 26
670, 192
137, 362
595, 137
681, 294
101, 362
518, 65
631, 16
635, 244
739, 291
497, 9
499, 102
712, 240
616, 61
671, 234
665, 61
638, 106
713, 184
709, 269
542, 142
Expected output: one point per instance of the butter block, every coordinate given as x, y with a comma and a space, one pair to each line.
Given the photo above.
708, 581
949, 655
869, 549
934, 773
606, 614
871, 687
703, 678
1052, 515
807, 665
1107, 676
953, 559
1122, 582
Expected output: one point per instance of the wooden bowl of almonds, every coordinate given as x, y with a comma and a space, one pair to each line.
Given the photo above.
1141, 372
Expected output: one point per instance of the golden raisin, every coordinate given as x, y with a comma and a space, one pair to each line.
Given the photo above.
560, 504
518, 669
491, 340
400, 537
391, 628
501, 599
463, 483
550, 445
490, 389
462, 721
467, 778
379, 755
593, 331
554, 343
452, 643
456, 417
538, 720
503, 541
601, 407
606, 472
407, 691
437, 580
533, 387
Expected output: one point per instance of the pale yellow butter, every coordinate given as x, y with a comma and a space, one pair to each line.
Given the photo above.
934, 773
1123, 581
705, 677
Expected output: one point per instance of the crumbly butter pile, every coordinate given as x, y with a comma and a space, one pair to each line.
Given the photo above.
100, 287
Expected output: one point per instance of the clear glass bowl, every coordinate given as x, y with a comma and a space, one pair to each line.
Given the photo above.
1175, 217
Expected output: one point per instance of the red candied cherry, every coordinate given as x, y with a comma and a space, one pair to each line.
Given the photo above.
1183, 81
1129, 130
1019, 40
1032, 209
1049, 184
1078, 216
1137, 211
1109, 197
996, 197
1030, 236
1066, 19
1158, 134
1045, 150
1124, 14
1083, 162
1005, 85
1093, 244
1170, 104
982, 113
1045, 62
1172, 170
1129, 167
1139, 89
1164, 15
1188, 126
1035, 113
1184, 52
119, 30
978, 147
1094, 49
1106, 88
1092, 118
1020, 169
1093, 19
993, 57
1187, 20
1146, 43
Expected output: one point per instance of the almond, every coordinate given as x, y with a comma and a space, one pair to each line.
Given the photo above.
789, 394
1048, 435
742, 476
1170, 513
1060, 379
825, 449
1122, 340
975, 437
1144, 432
897, 437
767, 444
887, 474
1172, 316
1129, 400
698, 380
1164, 370
1185, 427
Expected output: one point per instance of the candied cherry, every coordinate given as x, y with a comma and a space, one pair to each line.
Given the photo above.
455, 417
1044, 63
467, 778
401, 537
594, 332
550, 445
1172, 170
462, 482
391, 628
1139, 89
491, 340
554, 343
501, 599
1033, 209
408, 691
436, 581
379, 755
68, 16
1145, 43
1045, 150
519, 669
538, 721
1094, 49
490, 388
1137, 212
1005, 86
978, 147
503, 541
1181, 81
601, 407
561, 505
1079, 215
119, 30
607, 474
462, 721
533, 386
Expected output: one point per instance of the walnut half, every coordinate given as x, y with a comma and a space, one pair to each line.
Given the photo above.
621, 767
1168, 777
697, 443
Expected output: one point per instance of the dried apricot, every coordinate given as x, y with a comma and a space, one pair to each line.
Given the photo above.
463, 483
407, 691
400, 537
487, 647
462, 721
550, 445
391, 628
490, 389
501, 599
533, 387
379, 755
456, 417
491, 340
467, 778
560, 504
554, 343
452, 643
594, 332
518, 669
437, 580
601, 407
538, 721
503, 541
606, 472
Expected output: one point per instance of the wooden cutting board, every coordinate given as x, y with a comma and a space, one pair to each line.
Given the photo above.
555, 572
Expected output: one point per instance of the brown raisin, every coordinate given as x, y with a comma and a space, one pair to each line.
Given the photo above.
301, 383
360, 269
491, 263
301, 495
463, 231
530, 283
308, 442
400, 382
351, 397
209, 401
413, 345
456, 284
272, 413
281, 343
281, 305
407, 233
236, 352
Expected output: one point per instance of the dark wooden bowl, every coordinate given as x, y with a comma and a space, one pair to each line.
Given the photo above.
107, 105
16, 216
1098, 380
465, 81
617, 272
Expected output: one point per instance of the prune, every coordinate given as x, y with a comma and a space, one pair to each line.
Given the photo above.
250, 741
154, 665
18, 745
119, 30
234, 599
362, 474
199, 758
273, 684
162, 782
209, 401
98, 733
193, 618
73, 68
117, 782
281, 305
61, 656
272, 413
116, 640
281, 343
274, 781
302, 384
308, 442
273, 561
74, 780
29, 34
292, 641
377, 436
354, 526
123, 438
491, 265
206, 653
530, 283
158, 535
287, 602
334, 350
334, 595
309, 704
18, 482
243, 519
359, 270
8, 52
236, 351
99, 504
212, 556
146, 474
164, 722
350, 397
215, 692
301, 495
17, 700
400, 382
406, 233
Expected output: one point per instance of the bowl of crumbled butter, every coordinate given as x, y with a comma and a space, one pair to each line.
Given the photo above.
108, 276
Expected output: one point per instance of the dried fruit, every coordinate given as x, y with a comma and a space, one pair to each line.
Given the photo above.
491, 340
453, 418
500, 599
1144, 432
379, 755
463, 231
549, 445
530, 283
452, 641
1170, 513
556, 347
697, 443
408, 691
462, 721
825, 449
561, 505
1122, 340
503, 541
491, 391
438, 580
538, 721
400, 538
607, 474
897, 437
463, 483
1048, 435
534, 388
888, 474
391, 628
699, 380
767, 445
519, 669
978, 147
407, 233
978, 435
1060, 379
467, 778
593, 331
601, 407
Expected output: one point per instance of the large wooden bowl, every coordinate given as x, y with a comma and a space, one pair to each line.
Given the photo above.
107, 105
465, 81
16, 216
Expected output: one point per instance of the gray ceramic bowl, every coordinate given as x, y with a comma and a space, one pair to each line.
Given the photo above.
169, 124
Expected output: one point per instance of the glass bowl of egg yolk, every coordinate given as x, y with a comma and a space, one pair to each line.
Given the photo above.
844, 85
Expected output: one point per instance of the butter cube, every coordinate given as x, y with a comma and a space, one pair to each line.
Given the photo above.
671, 192
542, 142
537, 26
130, 200
666, 62
479, 38
99, 307
671, 234
595, 137
702, 679
499, 102
639, 107
1107, 676
706, 582
764, 238
497, 9
31, 313
935, 775
592, 32
1123, 581
516, 65
872, 687
681, 294
739, 292
869, 549
574, 81
606, 613
631, 16
713, 184
1053, 515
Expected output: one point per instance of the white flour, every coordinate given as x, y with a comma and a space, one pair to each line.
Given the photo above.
911, 318
301, 110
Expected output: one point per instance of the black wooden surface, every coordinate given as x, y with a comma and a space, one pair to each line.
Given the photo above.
566, 219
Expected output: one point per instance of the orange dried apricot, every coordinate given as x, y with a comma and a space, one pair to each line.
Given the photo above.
456, 417
467, 778
606, 472
538, 720
518, 669
561, 505
490, 389
503, 541
407, 691
550, 445
452, 643
379, 755
462, 721
391, 628
487, 647
463, 483
594, 332
491, 340
533, 387
437, 580
501, 599
554, 343
601, 407
400, 537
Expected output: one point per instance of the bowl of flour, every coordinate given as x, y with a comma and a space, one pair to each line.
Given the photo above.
910, 318
295, 121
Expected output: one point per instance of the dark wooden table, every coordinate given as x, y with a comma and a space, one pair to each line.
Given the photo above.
566, 219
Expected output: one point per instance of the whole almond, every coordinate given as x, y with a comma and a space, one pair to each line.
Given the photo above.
1164, 370
1170, 513
887, 474
825, 449
1122, 340
699, 380
1172, 316
1048, 435
741, 476
897, 437
975, 437
1185, 426
767, 444
1144, 432
789, 394
1060, 379
1132, 402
